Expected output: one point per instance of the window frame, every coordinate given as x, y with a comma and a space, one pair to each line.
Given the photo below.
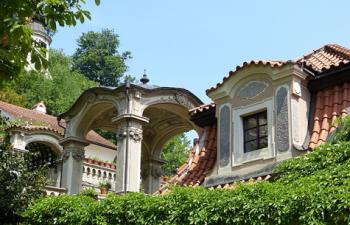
257, 128
238, 155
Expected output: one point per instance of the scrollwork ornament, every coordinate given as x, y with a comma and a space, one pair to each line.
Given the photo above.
77, 154
134, 133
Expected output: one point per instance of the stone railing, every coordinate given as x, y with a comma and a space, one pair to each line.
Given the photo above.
51, 190
95, 171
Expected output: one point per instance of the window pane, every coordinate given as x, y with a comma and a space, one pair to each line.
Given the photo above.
263, 131
262, 118
250, 146
250, 122
251, 134
263, 142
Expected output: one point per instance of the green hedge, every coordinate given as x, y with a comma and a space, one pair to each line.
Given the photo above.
313, 189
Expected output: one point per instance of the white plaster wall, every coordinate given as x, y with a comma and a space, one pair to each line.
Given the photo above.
298, 105
300, 112
103, 153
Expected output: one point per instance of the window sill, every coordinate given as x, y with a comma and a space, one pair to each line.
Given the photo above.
253, 161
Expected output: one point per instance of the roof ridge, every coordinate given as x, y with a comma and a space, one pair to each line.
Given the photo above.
338, 49
299, 60
26, 109
31, 115
271, 63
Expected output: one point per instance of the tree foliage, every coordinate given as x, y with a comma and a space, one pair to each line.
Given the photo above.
16, 41
19, 185
97, 57
312, 189
175, 152
59, 89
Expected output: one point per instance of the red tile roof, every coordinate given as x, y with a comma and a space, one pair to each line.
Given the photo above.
202, 108
331, 103
251, 180
201, 161
42, 119
36, 128
270, 63
326, 58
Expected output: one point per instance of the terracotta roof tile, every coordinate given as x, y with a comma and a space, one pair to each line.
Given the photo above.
193, 171
234, 184
202, 108
330, 104
270, 63
33, 116
36, 128
326, 58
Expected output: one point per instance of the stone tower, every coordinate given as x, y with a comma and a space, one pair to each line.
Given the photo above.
42, 37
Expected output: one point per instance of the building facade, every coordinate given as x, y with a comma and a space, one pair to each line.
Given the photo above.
35, 131
262, 113
265, 112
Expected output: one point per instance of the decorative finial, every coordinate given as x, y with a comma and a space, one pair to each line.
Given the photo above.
144, 79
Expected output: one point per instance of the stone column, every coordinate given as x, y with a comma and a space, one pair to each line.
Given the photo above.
73, 155
151, 174
129, 142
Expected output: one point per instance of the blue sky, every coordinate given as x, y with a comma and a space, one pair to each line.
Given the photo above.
193, 44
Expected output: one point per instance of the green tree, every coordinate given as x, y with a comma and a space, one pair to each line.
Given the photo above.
97, 57
16, 41
175, 152
59, 89
20, 186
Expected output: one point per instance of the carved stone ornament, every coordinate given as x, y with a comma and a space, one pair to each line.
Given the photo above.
282, 125
134, 133
252, 89
224, 136
177, 99
77, 154
91, 98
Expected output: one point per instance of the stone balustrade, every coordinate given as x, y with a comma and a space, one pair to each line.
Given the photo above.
95, 171
54, 191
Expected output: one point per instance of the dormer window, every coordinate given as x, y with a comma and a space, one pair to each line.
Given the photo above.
255, 131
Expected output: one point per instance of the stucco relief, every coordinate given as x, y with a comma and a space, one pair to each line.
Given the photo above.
252, 89
77, 154
224, 136
176, 98
282, 123
134, 133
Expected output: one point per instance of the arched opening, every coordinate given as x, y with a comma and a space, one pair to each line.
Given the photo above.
176, 151
44, 155
166, 144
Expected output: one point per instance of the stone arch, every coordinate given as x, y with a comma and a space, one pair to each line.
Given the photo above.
166, 121
47, 155
132, 112
95, 108
51, 141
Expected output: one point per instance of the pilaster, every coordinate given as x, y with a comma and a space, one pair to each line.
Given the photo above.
73, 155
129, 141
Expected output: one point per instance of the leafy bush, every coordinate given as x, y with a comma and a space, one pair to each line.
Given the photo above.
313, 189
62, 210
105, 184
19, 185
90, 192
